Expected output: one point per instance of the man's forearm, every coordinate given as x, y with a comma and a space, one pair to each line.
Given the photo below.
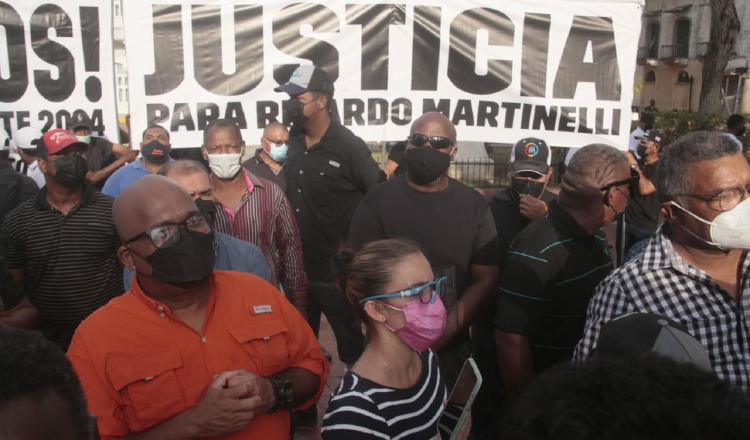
514, 361
305, 384
24, 315
99, 175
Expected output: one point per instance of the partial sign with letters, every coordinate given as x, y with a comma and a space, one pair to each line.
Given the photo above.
558, 70
56, 65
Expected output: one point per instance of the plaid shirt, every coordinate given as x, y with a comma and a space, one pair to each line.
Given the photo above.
660, 281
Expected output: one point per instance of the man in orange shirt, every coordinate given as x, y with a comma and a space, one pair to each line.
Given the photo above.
189, 352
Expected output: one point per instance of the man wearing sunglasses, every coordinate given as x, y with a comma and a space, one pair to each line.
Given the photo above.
696, 269
450, 221
642, 215
188, 351
61, 246
554, 266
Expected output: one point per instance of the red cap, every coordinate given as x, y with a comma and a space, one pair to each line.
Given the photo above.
58, 139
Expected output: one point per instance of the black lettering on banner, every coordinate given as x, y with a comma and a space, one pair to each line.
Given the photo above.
248, 49
16, 80
487, 114
616, 122
401, 111
534, 56
169, 65
354, 110
266, 112
583, 121
426, 48
48, 118
287, 37
45, 17
543, 116
182, 118
567, 119
510, 112
377, 111
462, 57
443, 106
603, 70
207, 112
375, 20
156, 113
90, 40
464, 113
22, 119
600, 122
526, 116
235, 113
6, 117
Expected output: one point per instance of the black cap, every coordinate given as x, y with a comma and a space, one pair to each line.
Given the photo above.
81, 124
530, 154
635, 334
653, 135
307, 78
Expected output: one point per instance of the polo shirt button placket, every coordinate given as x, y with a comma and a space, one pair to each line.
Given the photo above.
203, 339
161, 311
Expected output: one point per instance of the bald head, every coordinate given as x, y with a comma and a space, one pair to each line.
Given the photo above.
275, 130
150, 201
434, 124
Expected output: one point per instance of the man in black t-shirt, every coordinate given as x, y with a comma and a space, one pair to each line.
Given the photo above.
642, 215
103, 157
450, 221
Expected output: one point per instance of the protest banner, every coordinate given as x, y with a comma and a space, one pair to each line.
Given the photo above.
56, 65
560, 70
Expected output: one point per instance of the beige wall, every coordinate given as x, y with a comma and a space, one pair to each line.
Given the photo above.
667, 93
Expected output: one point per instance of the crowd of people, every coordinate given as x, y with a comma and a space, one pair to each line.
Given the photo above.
187, 295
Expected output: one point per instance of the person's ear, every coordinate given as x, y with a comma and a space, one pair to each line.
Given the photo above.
454, 152
375, 311
126, 257
668, 211
203, 152
42, 165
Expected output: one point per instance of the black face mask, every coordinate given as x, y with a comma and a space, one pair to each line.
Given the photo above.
187, 263
208, 209
71, 170
295, 113
641, 149
424, 165
156, 152
524, 187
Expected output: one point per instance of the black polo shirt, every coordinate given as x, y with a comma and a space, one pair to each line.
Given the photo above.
545, 287
643, 211
14, 188
258, 167
69, 261
325, 185
508, 219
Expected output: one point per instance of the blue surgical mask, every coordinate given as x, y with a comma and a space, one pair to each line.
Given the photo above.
278, 152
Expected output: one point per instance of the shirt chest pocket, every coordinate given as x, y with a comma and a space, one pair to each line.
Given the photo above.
150, 385
266, 343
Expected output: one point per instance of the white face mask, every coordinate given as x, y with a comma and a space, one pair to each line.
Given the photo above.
225, 166
729, 230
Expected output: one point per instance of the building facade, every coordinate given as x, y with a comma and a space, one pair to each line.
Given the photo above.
675, 37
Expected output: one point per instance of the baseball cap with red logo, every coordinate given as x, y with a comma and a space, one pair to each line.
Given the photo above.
56, 140
530, 155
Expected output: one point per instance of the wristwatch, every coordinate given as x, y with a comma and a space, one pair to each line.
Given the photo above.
283, 391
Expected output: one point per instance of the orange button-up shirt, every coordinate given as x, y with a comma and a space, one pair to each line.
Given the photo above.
140, 365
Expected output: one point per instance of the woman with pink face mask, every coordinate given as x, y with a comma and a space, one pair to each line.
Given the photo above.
394, 390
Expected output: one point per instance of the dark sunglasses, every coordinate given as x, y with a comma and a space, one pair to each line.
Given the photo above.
631, 181
437, 142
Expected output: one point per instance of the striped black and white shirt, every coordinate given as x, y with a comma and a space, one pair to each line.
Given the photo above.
660, 281
69, 261
362, 409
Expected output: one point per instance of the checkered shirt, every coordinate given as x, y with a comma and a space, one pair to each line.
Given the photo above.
660, 281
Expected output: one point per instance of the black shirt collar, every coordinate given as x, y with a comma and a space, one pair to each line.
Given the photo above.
88, 196
565, 222
329, 140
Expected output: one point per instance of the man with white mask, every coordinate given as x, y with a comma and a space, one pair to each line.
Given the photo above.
270, 158
696, 270
254, 209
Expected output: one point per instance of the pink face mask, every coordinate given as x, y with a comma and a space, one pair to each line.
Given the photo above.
424, 323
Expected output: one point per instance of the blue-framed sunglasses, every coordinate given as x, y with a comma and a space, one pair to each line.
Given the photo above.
427, 293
